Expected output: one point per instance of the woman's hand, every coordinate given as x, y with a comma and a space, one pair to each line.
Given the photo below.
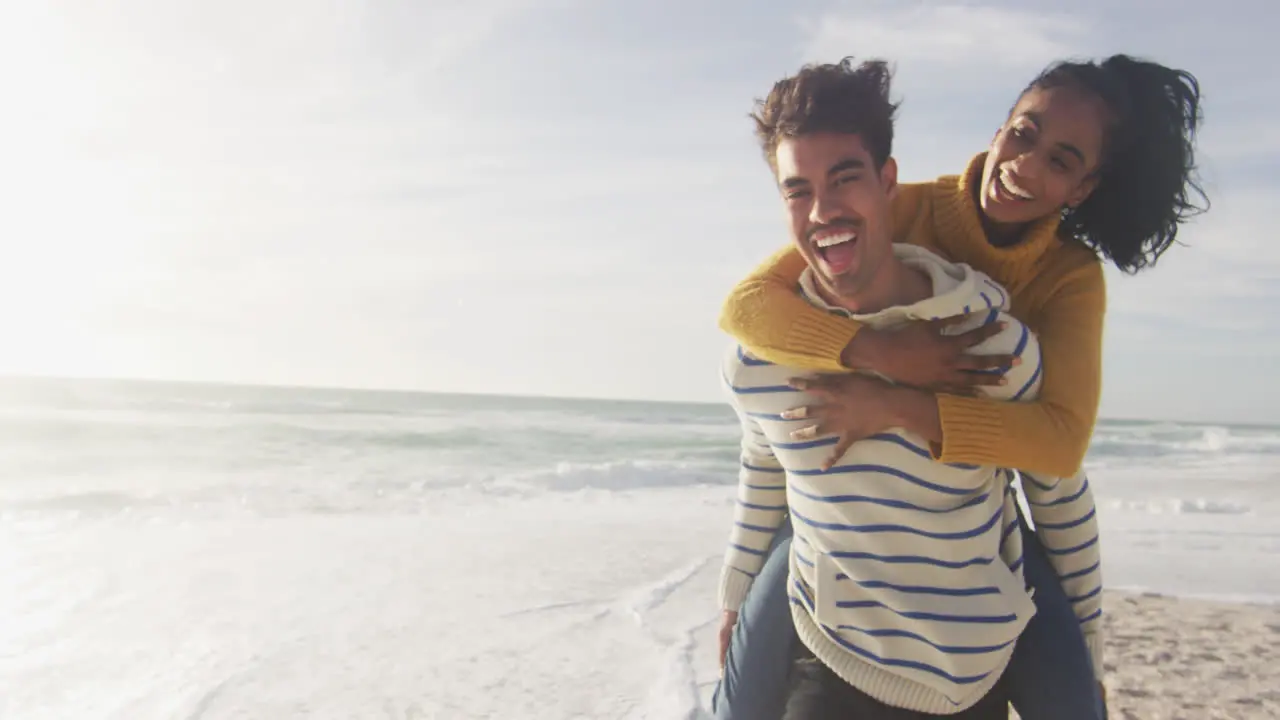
728, 619
855, 406
919, 354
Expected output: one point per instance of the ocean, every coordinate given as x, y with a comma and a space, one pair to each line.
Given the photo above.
182, 550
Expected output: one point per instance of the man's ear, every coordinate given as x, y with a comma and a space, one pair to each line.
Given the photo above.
889, 177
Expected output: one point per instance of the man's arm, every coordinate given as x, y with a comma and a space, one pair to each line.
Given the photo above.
758, 513
1066, 521
1062, 508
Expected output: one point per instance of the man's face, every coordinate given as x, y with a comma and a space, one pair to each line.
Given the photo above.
838, 207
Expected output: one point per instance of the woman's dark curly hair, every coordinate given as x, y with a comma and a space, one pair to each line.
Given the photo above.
1147, 183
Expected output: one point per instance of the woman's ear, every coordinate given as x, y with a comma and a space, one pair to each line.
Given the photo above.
1082, 191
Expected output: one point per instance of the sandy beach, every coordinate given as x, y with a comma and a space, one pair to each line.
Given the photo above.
1172, 658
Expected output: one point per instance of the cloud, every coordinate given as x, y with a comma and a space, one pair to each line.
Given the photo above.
946, 37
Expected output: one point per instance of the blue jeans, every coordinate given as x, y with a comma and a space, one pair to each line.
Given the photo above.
1050, 676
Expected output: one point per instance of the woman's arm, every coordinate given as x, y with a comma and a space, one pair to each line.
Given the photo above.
766, 314
1049, 436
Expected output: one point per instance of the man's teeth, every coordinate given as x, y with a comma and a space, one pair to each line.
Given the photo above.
829, 240
1007, 181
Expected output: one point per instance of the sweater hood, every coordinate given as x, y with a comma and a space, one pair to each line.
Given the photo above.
958, 289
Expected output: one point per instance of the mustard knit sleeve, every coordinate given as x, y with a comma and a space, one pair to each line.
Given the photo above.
766, 314
1052, 434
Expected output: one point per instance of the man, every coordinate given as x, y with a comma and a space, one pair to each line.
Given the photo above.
906, 581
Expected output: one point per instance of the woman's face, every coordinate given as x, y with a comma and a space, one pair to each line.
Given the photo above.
1045, 157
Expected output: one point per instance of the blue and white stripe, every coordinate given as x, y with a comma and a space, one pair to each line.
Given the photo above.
1065, 519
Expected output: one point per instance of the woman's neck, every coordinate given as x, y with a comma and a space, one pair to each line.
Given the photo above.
1002, 235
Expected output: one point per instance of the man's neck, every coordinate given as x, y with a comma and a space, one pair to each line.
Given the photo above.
896, 284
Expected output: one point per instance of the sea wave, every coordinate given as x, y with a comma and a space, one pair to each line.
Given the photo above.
1167, 440
1179, 506
620, 475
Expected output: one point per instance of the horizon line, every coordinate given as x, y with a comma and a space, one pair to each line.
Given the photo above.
388, 390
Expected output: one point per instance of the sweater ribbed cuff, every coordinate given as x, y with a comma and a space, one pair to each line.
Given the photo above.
734, 585
972, 430
1095, 644
824, 336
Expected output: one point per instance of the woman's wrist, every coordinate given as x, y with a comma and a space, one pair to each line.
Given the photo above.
915, 411
863, 351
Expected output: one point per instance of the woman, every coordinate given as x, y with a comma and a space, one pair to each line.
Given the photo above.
1095, 160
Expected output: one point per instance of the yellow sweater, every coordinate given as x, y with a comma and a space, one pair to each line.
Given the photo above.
1056, 288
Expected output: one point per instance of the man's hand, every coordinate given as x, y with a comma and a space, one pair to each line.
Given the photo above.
728, 619
920, 354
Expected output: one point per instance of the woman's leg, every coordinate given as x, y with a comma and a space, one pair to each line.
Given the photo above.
1050, 676
757, 665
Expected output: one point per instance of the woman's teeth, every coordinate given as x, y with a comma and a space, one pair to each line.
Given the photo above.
1011, 187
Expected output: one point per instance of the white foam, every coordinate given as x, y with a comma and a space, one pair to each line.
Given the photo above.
1180, 506
618, 475
569, 605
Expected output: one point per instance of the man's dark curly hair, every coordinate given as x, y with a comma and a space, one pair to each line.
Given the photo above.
834, 97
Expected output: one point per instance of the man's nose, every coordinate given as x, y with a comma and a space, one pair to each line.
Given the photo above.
824, 209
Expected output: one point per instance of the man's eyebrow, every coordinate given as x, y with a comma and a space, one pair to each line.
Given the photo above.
842, 166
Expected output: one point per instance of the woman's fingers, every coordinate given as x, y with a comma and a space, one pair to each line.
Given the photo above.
800, 383
846, 441
994, 364
808, 432
797, 413
980, 334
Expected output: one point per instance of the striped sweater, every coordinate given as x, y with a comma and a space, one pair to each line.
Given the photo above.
905, 573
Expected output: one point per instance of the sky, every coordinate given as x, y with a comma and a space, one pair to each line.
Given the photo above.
547, 198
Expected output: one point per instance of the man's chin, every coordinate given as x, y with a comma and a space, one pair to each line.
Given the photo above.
837, 287
842, 281
831, 278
